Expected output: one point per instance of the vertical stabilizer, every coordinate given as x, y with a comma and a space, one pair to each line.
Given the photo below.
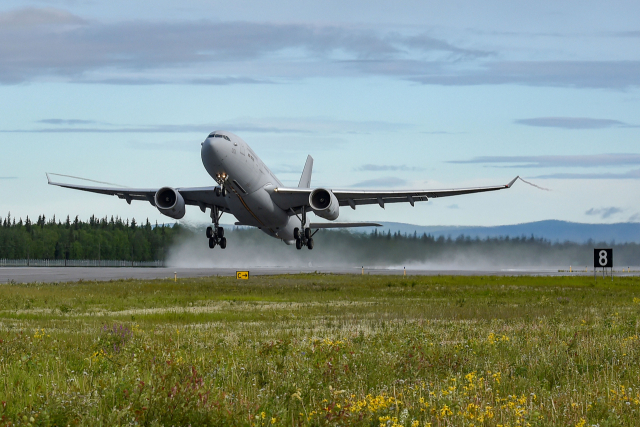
305, 179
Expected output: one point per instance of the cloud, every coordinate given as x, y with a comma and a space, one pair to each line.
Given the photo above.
632, 174
52, 44
454, 206
572, 122
627, 34
276, 125
8, 177
381, 182
634, 218
381, 168
120, 129
226, 81
578, 74
68, 122
37, 17
55, 43
441, 132
603, 213
591, 160
426, 43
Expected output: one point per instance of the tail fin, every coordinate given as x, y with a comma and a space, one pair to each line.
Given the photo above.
305, 179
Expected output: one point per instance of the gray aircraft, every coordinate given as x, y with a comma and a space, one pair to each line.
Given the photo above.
249, 191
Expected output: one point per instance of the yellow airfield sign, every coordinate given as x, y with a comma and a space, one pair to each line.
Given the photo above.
242, 275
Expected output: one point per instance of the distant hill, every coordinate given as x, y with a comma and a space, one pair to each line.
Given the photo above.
553, 230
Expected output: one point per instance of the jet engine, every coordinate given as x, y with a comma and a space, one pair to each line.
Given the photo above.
324, 204
170, 202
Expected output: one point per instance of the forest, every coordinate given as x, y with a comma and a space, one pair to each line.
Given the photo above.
98, 238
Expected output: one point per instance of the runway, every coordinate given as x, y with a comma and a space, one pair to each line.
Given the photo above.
76, 274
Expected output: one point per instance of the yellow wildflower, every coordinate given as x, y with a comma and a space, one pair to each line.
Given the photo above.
445, 411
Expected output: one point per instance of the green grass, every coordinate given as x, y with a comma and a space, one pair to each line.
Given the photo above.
322, 350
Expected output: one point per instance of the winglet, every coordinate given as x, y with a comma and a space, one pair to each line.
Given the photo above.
305, 179
48, 179
512, 181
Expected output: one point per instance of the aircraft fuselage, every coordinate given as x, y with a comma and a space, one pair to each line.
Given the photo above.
232, 163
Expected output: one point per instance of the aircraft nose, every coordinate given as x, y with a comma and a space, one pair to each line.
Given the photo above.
208, 150
213, 151
207, 145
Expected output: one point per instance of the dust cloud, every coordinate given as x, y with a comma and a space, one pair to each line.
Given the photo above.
248, 248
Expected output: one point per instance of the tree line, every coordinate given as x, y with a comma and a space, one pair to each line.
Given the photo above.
98, 238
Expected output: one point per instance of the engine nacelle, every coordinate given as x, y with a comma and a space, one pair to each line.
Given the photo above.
170, 202
324, 204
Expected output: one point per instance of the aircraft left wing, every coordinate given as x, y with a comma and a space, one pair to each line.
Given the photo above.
295, 198
199, 196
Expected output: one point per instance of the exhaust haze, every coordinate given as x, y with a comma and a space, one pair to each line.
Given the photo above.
248, 248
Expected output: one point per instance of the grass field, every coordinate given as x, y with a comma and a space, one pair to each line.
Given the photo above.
322, 350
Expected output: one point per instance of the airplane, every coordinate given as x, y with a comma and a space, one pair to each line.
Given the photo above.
248, 190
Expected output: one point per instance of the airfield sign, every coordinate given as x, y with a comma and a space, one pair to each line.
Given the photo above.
603, 258
242, 275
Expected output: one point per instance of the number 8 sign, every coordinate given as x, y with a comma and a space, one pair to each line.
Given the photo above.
603, 258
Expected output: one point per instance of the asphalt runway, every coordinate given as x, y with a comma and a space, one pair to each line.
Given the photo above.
75, 274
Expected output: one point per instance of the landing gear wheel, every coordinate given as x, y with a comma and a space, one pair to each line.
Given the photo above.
212, 243
307, 233
298, 244
218, 191
223, 242
220, 232
310, 244
296, 233
209, 232
224, 192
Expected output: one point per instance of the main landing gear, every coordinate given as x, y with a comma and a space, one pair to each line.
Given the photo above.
306, 237
215, 234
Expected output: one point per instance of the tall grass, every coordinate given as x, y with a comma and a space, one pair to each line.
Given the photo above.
322, 350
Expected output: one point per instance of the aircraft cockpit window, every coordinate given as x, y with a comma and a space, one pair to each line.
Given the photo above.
213, 135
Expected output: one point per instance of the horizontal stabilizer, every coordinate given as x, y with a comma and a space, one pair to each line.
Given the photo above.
343, 224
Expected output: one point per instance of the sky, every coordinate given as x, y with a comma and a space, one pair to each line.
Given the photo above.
383, 95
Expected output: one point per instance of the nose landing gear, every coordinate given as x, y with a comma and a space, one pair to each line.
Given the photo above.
215, 234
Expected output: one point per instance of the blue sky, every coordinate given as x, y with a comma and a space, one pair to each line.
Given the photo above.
409, 94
